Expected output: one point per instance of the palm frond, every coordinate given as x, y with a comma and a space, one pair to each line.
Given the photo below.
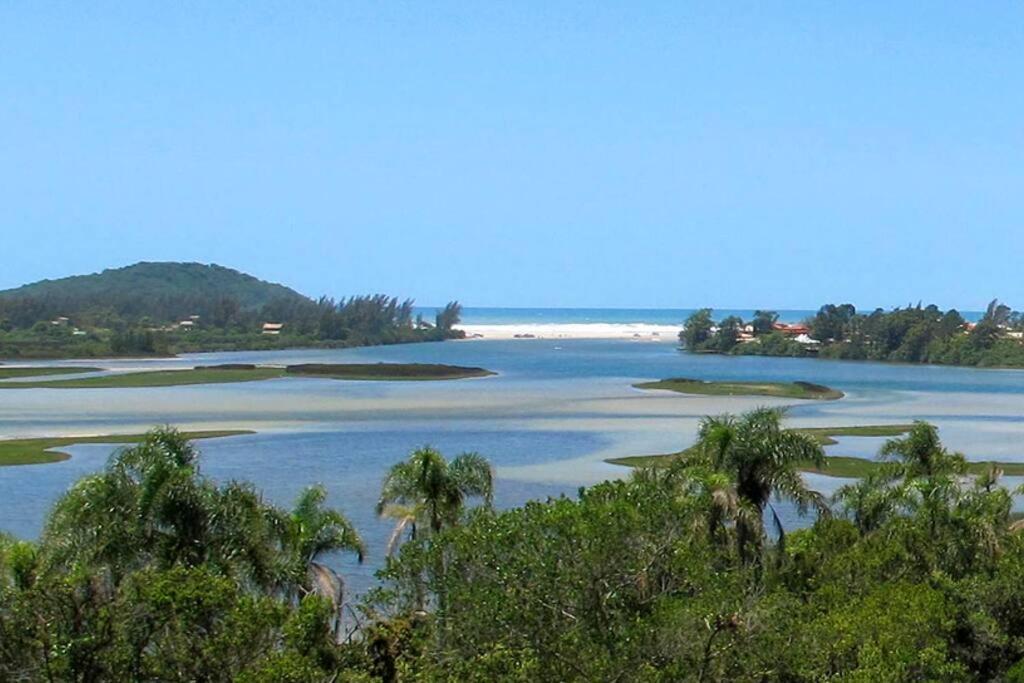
473, 475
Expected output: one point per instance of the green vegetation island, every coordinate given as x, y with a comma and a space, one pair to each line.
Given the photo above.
915, 334
149, 570
43, 371
45, 450
241, 372
801, 390
166, 308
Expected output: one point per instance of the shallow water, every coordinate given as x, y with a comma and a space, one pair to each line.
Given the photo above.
547, 421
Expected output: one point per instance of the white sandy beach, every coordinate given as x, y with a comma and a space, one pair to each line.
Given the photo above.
637, 331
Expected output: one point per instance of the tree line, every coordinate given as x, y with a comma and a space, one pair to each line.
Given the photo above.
914, 334
28, 329
150, 571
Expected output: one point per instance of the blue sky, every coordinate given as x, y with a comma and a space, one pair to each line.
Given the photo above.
536, 154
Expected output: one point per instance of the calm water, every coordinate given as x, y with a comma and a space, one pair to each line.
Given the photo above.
547, 421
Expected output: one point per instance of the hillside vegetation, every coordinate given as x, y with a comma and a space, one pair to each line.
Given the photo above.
161, 291
166, 308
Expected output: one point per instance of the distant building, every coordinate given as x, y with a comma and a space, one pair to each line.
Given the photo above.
60, 321
794, 330
186, 325
272, 328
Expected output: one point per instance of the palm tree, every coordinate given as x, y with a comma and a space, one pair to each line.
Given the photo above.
980, 517
929, 473
428, 492
920, 454
762, 459
152, 507
313, 531
147, 506
871, 501
712, 490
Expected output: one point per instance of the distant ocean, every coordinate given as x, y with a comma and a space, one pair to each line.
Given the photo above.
622, 316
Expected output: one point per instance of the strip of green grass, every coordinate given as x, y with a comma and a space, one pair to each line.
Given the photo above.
154, 378
804, 390
217, 374
825, 435
7, 373
387, 371
37, 451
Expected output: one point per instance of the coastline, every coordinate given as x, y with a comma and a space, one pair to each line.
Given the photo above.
649, 332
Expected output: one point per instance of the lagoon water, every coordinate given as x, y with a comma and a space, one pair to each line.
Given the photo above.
547, 421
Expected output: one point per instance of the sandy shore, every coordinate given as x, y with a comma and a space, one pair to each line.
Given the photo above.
637, 331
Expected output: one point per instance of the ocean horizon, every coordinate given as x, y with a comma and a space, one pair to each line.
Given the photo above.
511, 315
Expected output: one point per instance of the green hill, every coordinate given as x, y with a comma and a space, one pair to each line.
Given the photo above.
161, 308
157, 292
156, 281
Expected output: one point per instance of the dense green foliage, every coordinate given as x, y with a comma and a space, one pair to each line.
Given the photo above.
148, 571
914, 334
670, 577
162, 291
138, 310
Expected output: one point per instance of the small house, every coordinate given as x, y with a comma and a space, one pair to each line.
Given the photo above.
272, 328
794, 330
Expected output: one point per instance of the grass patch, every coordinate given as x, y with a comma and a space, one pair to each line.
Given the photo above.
387, 371
804, 390
8, 373
44, 450
237, 372
154, 378
826, 435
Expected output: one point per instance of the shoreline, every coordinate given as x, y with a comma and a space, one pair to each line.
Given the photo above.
628, 331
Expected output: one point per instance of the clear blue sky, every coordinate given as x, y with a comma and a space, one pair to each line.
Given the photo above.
547, 153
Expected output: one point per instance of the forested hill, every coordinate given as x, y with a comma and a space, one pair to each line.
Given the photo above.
162, 291
161, 308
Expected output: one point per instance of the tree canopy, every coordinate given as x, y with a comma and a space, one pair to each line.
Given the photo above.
914, 334
150, 571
